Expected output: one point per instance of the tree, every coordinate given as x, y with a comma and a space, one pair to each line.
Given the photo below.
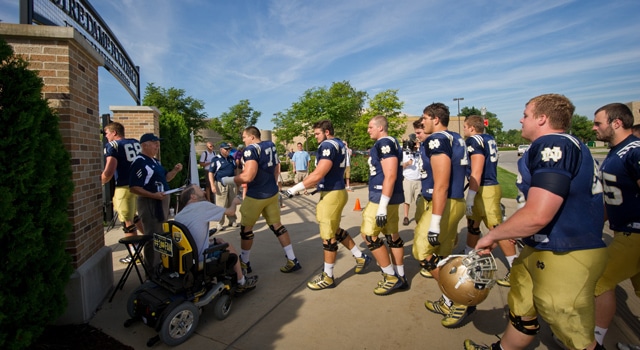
341, 104
495, 125
582, 128
231, 124
35, 182
179, 115
383, 103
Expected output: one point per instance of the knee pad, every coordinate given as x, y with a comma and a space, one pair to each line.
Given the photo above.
245, 236
398, 243
136, 218
279, 232
530, 327
473, 231
341, 235
432, 263
330, 247
373, 245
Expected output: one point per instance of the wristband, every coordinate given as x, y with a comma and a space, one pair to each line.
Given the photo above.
471, 197
435, 223
297, 188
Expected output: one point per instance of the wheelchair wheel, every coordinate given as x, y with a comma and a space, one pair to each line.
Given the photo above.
179, 324
222, 307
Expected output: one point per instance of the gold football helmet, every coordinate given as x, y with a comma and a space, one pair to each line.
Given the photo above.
467, 279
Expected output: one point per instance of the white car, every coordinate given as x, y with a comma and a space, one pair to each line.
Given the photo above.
522, 149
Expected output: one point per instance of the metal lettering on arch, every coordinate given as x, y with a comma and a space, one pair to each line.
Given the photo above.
80, 15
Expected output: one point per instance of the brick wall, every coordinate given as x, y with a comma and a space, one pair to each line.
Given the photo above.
137, 120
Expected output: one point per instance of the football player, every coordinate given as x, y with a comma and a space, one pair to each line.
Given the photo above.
380, 215
620, 175
448, 157
561, 226
329, 177
261, 168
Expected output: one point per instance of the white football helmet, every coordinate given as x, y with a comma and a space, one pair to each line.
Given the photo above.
467, 279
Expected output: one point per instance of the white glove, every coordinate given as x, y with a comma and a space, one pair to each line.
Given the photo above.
227, 180
381, 215
471, 196
295, 189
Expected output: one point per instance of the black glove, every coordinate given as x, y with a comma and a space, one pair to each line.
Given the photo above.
381, 220
433, 238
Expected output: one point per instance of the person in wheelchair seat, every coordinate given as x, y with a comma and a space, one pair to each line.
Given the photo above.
196, 214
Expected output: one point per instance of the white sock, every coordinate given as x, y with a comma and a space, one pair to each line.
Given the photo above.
447, 300
244, 255
242, 281
289, 251
600, 333
356, 252
328, 269
388, 270
510, 259
400, 270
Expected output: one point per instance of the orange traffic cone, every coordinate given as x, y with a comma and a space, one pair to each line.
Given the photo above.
357, 207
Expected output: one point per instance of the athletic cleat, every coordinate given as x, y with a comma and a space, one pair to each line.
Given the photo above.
439, 306
505, 280
471, 345
388, 284
405, 283
246, 267
250, 283
292, 265
425, 273
362, 262
457, 313
322, 281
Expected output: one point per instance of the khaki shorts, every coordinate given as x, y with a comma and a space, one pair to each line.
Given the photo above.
124, 203
421, 245
411, 190
623, 262
486, 206
300, 175
347, 172
559, 287
252, 208
369, 227
329, 212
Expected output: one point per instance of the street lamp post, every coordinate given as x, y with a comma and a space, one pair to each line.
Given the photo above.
459, 99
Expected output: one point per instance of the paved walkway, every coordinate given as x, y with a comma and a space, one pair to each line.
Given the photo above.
282, 313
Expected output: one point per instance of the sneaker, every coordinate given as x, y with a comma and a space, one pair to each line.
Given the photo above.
388, 284
623, 346
405, 222
349, 189
439, 306
246, 267
505, 280
250, 283
471, 345
362, 262
292, 265
457, 313
425, 273
127, 259
322, 281
219, 228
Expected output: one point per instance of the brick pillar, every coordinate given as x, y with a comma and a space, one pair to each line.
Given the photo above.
137, 120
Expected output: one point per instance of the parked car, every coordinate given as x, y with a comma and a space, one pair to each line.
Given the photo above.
522, 149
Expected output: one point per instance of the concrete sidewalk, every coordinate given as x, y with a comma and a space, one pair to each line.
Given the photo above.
282, 313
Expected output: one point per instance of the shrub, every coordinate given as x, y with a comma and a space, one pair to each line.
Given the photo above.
35, 182
359, 168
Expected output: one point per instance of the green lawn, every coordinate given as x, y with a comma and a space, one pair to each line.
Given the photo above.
507, 182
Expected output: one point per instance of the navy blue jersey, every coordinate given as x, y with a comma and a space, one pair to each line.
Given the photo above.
579, 221
486, 145
334, 151
148, 173
264, 184
620, 173
452, 145
426, 174
125, 151
222, 167
385, 147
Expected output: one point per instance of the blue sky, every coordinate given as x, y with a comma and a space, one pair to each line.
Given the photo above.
496, 54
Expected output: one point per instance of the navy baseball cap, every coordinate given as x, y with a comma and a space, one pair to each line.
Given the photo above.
225, 145
149, 137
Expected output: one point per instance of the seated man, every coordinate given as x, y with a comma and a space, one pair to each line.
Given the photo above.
196, 214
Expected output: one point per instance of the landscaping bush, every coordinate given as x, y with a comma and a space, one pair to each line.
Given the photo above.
35, 182
359, 168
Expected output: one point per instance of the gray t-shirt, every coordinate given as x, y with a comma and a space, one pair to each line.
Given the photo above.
196, 216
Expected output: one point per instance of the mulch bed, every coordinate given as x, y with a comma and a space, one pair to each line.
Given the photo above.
78, 337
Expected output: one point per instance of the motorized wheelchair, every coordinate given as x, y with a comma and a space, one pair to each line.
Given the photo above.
170, 301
